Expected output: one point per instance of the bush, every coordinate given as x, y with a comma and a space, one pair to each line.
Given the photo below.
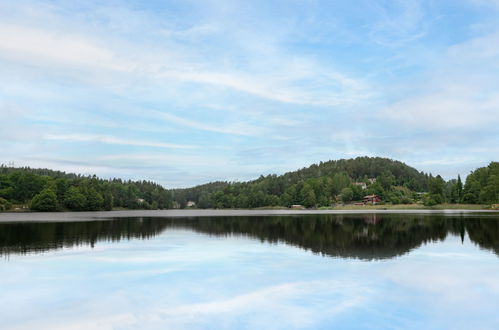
5, 204
394, 200
429, 200
45, 201
406, 200
346, 195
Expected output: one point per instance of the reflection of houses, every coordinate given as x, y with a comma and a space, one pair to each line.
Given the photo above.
371, 199
372, 219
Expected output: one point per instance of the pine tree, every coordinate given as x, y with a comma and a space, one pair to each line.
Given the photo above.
459, 187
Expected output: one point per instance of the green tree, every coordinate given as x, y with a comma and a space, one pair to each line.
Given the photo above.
459, 189
471, 192
26, 185
339, 181
436, 189
95, 201
75, 200
358, 192
45, 201
386, 180
108, 201
346, 195
490, 193
308, 196
205, 201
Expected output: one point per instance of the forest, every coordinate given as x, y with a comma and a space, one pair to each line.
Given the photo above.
345, 181
325, 184
47, 190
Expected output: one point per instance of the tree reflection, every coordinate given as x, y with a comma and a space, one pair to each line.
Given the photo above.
364, 237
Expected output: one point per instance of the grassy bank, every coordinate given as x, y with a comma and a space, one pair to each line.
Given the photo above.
338, 207
410, 207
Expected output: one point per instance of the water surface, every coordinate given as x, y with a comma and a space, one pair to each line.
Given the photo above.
352, 271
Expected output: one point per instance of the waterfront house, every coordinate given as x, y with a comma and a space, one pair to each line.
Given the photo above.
371, 199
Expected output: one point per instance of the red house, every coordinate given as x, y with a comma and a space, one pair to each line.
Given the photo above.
371, 199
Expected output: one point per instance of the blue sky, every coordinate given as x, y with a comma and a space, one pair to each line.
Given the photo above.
185, 92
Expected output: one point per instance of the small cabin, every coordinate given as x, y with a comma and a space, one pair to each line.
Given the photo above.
363, 185
298, 207
371, 199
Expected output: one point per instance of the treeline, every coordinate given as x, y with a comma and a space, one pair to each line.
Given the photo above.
345, 181
482, 185
47, 190
320, 185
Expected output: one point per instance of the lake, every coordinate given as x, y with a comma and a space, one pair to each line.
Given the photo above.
387, 270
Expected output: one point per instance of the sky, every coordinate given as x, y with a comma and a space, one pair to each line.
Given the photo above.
186, 92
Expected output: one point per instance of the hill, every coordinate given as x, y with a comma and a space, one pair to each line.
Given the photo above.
317, 185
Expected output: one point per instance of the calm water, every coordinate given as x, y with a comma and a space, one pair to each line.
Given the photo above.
321, 271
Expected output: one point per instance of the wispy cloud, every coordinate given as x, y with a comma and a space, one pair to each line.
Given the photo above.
231, 128
35, 46
459, 92
114, 140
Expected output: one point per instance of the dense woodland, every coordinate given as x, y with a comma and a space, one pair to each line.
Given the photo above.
47, 190
320, 185
345, 181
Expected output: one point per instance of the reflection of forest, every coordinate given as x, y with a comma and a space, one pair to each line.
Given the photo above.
347, 236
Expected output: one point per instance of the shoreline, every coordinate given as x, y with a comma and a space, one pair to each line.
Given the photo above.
9, 217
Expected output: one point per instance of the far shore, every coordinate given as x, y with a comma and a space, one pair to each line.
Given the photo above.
175, 213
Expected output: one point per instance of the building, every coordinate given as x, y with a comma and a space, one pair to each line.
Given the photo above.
371, 199
363, 185
191, 204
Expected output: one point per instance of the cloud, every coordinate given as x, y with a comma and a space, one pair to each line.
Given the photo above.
398, 24
231, 128
458, 93
270, 301
447, 108
282, 81
22, 43
280, 301
114, 140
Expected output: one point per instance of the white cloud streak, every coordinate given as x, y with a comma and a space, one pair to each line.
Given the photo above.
233, 128
459, 93
52, 49
114, 140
